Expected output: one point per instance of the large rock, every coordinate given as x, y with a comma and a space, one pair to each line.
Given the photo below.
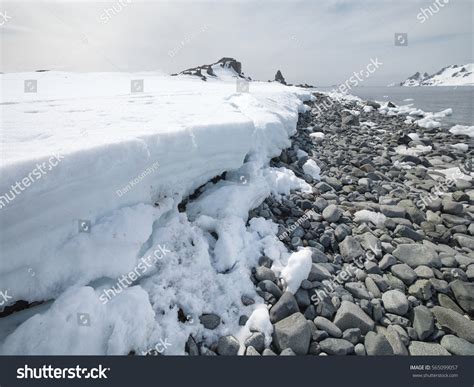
396, 341
377, 344
396, 302
328, 326
457, 346
464, 293
350, 249
292, 332
284, 307
349, 315
393, 211
419, 348
210, 320
256, 340
331, 213
423, 322
336, 346
415, 255
228, 346
421, 289
455, 323
279, 77
404, 272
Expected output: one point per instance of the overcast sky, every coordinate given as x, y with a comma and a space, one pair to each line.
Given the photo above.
315, 41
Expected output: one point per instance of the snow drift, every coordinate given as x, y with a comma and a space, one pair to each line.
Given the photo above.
131, 147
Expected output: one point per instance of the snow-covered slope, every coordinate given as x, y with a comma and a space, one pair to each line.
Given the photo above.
91, 178
453, 75
223, 69
414, 80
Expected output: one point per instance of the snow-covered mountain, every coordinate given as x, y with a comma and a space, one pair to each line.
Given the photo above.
223, 69
453, 75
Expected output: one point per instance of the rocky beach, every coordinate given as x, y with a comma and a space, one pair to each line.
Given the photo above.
390, 227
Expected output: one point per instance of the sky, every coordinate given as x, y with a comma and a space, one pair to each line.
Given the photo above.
321, 42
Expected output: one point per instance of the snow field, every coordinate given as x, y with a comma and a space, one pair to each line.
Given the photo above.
193, 131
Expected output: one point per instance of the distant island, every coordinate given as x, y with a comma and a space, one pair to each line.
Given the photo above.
453, 75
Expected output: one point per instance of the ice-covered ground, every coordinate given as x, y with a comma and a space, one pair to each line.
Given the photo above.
93, 168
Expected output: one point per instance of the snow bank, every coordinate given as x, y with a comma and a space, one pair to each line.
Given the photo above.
124, 161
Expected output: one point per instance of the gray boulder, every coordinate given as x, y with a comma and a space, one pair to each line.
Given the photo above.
331, 213
455, 323
415, 255
423, 322
210, 320
350, 249
396, 302
349, 315
419, 348
336, 346
457, 346
228, 346
377, 345
464, 293
328, 326
292, 332
284, 307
